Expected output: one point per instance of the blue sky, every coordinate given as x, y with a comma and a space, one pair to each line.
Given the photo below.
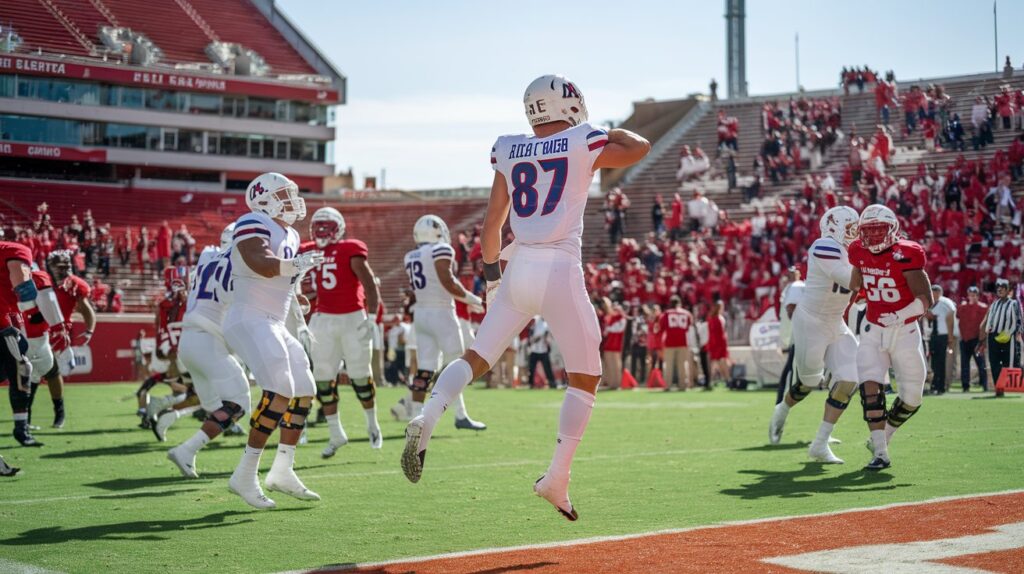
432, 84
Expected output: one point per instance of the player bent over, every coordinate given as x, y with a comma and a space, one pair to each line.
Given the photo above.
264, 267
891, 272
821, 338
342, 329
543, 178
438, 334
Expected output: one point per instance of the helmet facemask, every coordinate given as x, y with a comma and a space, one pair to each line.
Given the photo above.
877, 236
325, 232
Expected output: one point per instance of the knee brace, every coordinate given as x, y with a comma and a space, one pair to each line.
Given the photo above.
841, 393
873, 403
227, 414
365, 389
263, 411
327, 392
149, 383
798, 392
295, 417
900, 412
421, 382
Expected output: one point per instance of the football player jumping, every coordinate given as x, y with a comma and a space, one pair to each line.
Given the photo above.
891, 272
821, 339
264, 266
342, 329
439, 337
544, 179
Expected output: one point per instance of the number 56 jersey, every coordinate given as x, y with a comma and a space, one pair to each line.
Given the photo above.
548, 182
886, 287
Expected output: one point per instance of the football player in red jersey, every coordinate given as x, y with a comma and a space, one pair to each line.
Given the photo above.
19, 294
164, 363
891, 272
39, 334
72, 295
342, 329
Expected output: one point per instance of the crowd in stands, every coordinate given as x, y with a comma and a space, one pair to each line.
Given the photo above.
861, 77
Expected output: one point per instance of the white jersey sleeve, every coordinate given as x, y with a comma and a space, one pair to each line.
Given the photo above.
271, 295
548, 184
826, 289
423, 278
209, 290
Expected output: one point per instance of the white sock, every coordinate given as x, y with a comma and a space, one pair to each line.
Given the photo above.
416, 409
335, 429
572, 421
889, 431
460, 407
196, 442
824, 431
249, 466
879, 443
449, 384
21, 416
285, 459
783, 408
371, 418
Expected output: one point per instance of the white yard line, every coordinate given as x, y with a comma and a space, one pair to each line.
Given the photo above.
12, 567
597, 539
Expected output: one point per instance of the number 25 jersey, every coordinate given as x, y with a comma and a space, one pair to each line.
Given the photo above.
886, 287
548, 182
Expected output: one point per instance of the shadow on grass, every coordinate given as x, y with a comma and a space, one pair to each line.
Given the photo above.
159, 494
94, 432
134, 530
771, 447
795, 484
119, 484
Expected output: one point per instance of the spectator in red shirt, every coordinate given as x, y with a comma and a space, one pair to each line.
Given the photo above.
614, 337
163, 245
970, 314
718, 343
675, 222
674, 326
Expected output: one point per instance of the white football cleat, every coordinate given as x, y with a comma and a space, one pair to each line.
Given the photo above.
834, 440
469, 424
412, 456
288, 482
162, 423
185, 461
775, 426
250, 492
332, 448
820, 452
376, 437
557, 495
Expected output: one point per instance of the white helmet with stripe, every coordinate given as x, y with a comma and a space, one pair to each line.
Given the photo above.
879, 228
430, 229
554, 98
226, 236
327, 226
840, 223
276, 196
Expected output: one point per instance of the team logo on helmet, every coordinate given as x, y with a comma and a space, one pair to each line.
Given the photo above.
256, 190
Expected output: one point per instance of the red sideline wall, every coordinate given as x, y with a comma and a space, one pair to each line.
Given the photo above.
112, 353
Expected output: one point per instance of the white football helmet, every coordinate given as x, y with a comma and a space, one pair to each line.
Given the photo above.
840, 223
265, 196
430, 229
554, 98
227, 236
327, 226
879, 228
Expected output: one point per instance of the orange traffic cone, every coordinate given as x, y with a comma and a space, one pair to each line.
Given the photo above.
655, 381
628, 382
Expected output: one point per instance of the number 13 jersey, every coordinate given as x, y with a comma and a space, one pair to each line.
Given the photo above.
419, 266
886, 287
548, 182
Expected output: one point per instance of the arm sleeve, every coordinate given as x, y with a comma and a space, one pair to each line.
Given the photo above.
494, 154
828, 256
443, 251
596, 140
248, 227
914, 259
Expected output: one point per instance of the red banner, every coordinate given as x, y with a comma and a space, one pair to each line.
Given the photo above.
41, 151
113, 351
171, 80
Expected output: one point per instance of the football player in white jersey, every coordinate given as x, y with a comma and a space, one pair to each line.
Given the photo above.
821, 339
432, 279
264, 266
219, 380
541, 182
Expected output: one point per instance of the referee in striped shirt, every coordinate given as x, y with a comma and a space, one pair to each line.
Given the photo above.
1003, 325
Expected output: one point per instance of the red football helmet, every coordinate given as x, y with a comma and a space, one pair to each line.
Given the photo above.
879, 228
176, 279
328, 226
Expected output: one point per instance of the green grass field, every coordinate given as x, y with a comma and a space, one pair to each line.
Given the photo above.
101, 497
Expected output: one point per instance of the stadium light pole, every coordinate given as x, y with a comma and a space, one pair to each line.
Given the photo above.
796, 40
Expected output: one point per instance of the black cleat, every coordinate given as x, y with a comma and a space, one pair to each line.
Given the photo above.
878, 463
25, 438
58, 419
6, 469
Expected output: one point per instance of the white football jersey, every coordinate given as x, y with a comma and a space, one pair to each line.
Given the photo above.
548, 182
270, 295
826, 290
209, 289
419, 266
